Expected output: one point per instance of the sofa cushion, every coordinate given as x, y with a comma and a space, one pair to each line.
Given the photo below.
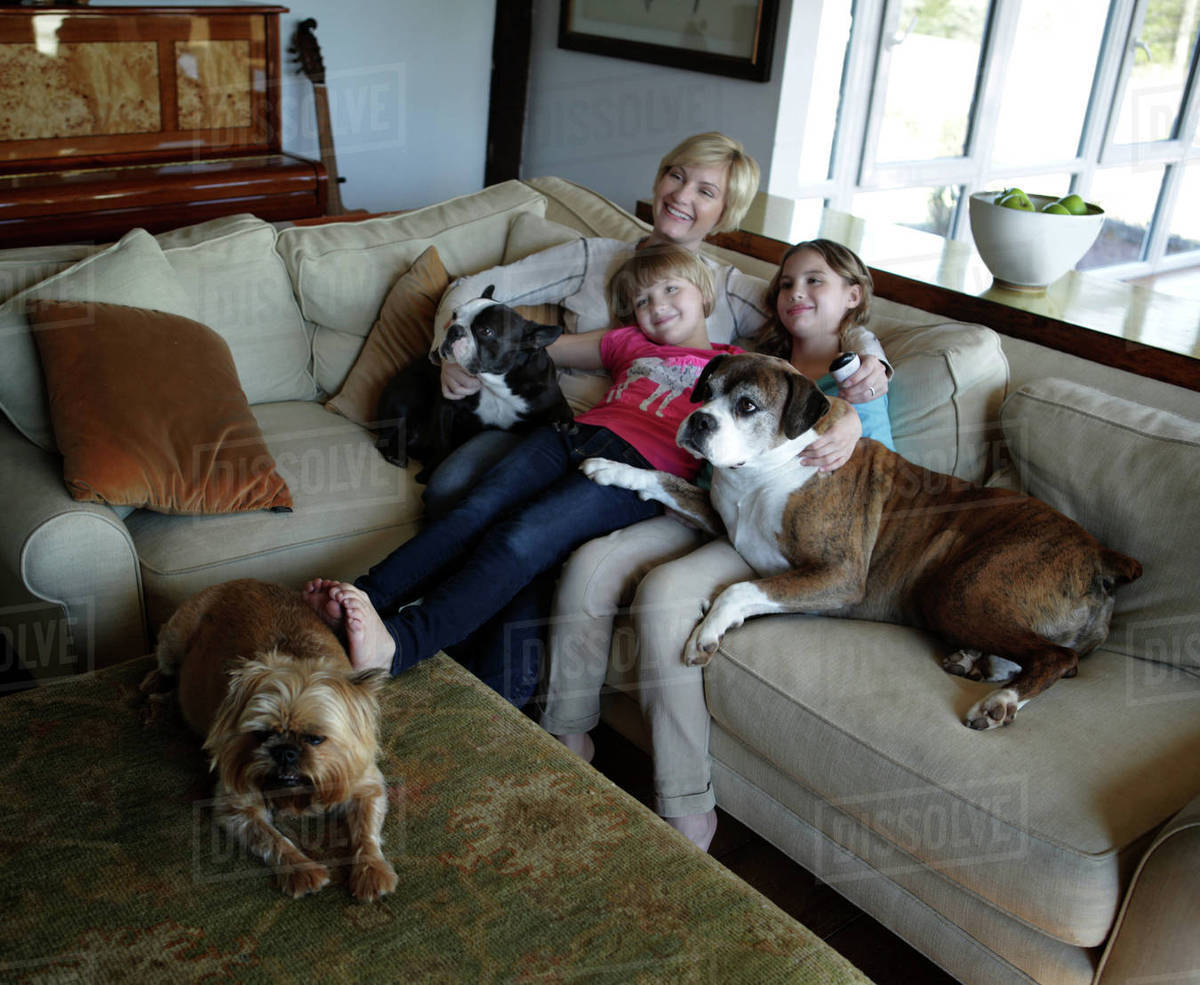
241, 290
529, 233
1040, 819
132, 271
26, 266
1130, 475
147, 411
342, 271
944, 398
402, 334
350, 508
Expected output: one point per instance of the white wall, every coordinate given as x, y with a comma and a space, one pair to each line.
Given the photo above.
606, 122
408, 95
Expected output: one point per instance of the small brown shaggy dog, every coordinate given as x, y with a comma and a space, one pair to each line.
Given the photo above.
290, 726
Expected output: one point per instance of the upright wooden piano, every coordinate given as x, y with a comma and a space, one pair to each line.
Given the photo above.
154, 116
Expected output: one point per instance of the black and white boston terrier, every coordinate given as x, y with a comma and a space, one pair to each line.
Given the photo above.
519, 386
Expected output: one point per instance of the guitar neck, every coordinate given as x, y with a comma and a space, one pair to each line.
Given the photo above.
328, 158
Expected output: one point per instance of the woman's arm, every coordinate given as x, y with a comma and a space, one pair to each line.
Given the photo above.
839, 432
871, 380
550, 276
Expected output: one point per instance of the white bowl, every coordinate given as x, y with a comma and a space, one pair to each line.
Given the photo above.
1028, 250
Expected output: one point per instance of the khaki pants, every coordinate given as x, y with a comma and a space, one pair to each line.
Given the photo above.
664, 571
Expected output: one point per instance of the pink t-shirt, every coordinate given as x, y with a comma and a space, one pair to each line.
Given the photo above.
650, 395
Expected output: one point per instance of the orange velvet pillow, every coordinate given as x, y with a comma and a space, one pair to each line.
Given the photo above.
148, 411
402, 333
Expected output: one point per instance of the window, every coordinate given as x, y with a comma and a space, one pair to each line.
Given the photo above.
937, 99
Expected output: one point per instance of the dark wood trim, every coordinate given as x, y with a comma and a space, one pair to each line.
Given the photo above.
512, 41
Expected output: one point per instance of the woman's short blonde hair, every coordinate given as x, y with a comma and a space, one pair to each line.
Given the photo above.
654, 263
716, 148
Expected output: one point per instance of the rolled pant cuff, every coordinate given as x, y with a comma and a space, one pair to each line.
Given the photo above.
692, 803
559, 726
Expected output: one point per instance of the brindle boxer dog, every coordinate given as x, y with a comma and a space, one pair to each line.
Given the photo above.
994, 572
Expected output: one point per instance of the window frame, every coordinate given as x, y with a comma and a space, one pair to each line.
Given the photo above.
854, 169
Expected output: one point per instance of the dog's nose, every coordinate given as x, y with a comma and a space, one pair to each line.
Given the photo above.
287, 755
702, 422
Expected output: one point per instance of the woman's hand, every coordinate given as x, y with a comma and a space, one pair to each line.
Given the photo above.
458, 383
869, 383
836, 443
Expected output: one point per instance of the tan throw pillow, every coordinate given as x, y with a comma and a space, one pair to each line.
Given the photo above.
147, 411
402, 333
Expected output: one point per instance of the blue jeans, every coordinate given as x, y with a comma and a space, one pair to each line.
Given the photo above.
522, 519
464, 467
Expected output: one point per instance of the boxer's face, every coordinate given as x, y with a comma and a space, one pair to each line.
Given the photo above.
750, 405
739, 418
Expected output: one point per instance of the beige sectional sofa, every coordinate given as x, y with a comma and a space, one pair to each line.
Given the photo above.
1064, 849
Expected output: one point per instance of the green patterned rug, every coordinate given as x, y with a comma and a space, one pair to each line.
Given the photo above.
517, 863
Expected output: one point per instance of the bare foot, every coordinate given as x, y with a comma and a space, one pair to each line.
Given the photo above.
699, 829
369, 643
579, 743
316, 594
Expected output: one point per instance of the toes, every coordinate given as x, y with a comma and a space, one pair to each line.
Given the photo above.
964, 663
371, 879
996, 710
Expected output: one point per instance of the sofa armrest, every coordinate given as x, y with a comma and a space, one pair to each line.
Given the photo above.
1154, 938
77, 556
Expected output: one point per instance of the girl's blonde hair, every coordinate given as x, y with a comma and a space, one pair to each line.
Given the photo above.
654, 263
773, 338
716, 148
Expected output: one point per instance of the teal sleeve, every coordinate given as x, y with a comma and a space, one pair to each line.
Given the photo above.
873, 414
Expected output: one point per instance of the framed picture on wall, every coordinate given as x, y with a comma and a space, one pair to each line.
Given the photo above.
723, 37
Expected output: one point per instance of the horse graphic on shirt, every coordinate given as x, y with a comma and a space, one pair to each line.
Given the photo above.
671, 378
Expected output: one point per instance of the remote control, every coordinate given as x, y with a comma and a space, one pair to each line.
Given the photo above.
845, 365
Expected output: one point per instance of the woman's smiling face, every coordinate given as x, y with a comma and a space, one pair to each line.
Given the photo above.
689, 200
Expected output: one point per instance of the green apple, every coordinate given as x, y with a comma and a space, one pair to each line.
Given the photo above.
1056, 208
1017, 200
1074, 204
1006, 193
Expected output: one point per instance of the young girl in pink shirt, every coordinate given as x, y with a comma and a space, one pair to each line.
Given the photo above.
533, 508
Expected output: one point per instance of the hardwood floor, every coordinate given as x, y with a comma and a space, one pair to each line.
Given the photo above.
879, 954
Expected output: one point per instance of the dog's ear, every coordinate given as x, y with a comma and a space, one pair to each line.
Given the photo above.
245, 678
488, 291
538, 336
702, 391
806, 405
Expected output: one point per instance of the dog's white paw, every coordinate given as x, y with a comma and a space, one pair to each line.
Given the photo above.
976, 665
606, 472
701, 645
964, 663
997, 709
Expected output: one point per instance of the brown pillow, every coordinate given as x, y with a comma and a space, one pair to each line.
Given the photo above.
148, 411
402, 333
